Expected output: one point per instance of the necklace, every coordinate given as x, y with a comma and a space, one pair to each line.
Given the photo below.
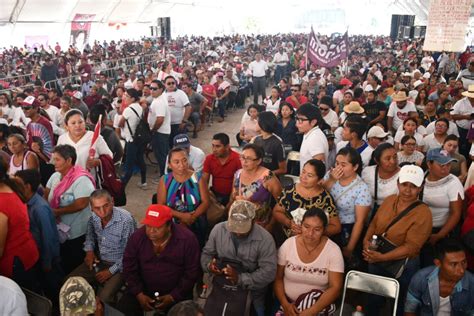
308, 249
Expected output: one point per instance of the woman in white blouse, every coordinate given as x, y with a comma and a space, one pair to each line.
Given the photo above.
78, 137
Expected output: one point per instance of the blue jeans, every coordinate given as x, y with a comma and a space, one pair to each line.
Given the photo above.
376, 301
221, 104
161, 147
134, 156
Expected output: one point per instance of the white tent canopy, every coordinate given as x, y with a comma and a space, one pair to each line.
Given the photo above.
24, 21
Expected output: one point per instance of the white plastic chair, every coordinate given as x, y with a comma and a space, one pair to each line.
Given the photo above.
371, 284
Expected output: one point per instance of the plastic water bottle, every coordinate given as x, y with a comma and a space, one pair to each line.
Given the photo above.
157, 299
204, 291
374, 243
358, 311
95, 265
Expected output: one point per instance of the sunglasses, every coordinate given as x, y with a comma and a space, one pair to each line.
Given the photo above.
172, 83
294, 90
26, 108
324, 109
154, 88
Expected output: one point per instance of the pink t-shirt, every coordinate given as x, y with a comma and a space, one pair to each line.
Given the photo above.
303, 277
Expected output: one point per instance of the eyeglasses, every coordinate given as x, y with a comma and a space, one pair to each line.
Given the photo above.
243, 158
171, 83
301, 119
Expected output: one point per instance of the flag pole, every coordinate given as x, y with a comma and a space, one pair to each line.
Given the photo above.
307, 47
347, 57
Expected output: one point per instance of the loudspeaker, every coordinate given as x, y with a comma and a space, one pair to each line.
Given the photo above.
418, 31
400, 20
164, 27
404, 32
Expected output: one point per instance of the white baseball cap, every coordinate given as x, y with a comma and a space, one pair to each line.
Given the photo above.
412, 174
377, 132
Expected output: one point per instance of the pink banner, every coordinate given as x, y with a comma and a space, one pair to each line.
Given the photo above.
327, 54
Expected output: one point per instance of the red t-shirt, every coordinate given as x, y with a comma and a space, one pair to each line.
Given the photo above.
20, 242
302, 100
222, 175
209, 88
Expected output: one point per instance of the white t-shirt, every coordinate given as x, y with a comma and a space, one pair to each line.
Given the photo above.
463, 107
159, 108
53, 113
83, 145
331, 119
12, 300
418, 137
258, 68
438, 194
195, 161
444, 308
177, 101
314, 143
430, 142
270, 106
302, 277
452, 129
386, 187
132, 119
399, 115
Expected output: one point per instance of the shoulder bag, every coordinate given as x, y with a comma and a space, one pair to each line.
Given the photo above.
395, 267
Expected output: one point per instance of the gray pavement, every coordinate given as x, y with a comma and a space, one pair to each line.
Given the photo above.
138, 200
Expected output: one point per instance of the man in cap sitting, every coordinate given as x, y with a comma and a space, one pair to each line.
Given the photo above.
160, 264
239, 239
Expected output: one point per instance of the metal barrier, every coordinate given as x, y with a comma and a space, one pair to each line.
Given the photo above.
138, 62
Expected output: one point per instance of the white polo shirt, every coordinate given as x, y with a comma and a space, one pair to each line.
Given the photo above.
258, 68
314, 143
159, 108
463, 107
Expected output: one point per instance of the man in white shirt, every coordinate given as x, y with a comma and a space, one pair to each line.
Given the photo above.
159, 120
196, 156
399, 110
258, 67
315, 144
134, 150
280, 60
180, 108
462, 114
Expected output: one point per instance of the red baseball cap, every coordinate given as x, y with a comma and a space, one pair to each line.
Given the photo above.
157, 215
346, 82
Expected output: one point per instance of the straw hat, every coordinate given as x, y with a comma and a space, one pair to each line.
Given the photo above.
354, 107
399, 96
470, 91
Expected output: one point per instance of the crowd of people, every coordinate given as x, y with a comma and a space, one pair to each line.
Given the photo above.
364, 166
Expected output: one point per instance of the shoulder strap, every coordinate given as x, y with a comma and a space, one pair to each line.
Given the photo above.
376, 184
135, 112
347, 189
402, 214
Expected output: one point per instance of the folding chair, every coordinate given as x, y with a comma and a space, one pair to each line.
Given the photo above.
37, 305
371, 284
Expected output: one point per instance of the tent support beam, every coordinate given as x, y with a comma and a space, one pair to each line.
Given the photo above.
112, 7
16, 11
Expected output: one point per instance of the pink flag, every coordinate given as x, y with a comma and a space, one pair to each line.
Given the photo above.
327, 54
95, 137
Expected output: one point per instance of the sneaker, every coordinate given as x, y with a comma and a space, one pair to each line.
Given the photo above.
142, 186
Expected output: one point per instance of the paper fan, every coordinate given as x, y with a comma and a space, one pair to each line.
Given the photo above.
40, 134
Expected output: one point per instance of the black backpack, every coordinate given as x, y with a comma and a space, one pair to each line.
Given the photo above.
142, 135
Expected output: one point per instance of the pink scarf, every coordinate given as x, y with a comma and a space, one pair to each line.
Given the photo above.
72, 175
